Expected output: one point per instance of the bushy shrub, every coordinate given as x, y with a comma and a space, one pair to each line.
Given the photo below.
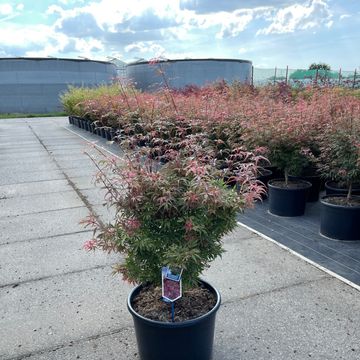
175, 215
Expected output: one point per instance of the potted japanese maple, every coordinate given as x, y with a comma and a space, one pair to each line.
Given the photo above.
283, 131
170, 217
340, 161
287, 197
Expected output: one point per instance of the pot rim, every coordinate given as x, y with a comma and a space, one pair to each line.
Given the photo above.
328, 182
307, 185
315, 176
264, 172
179, 324
348, 208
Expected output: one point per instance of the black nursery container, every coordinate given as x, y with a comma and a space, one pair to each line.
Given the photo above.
187, 340
313, 192
287, 201
333, 188
338, 221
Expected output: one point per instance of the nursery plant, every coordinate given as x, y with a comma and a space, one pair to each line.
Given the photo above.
173, 217
339, 158
284, 130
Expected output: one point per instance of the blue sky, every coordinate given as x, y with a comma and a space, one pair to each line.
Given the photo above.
268, 32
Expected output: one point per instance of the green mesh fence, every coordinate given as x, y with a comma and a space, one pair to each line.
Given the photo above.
303, 77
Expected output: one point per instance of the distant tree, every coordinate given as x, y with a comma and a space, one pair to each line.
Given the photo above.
319, 66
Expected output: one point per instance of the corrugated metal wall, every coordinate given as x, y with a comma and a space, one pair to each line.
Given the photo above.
34, 85
179, 73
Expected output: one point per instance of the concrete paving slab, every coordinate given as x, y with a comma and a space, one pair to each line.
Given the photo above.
29, 166
79, 150
84, 182
33, 188
309, 321
59, 255
20, 177
76, 146
20, 151
68, 306
85, 162
120, 345
5, 162
106, 214
87, 171
260, 267
39, 203
23, 158
40, 225
95, 196
15, 144
52, 312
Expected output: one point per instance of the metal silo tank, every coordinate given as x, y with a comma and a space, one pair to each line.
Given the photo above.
179, 73
33, 85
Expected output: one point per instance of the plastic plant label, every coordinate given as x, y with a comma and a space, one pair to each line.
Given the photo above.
171, 285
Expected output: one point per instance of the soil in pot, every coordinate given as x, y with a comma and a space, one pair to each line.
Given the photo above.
342, 201
194, 303
291, 185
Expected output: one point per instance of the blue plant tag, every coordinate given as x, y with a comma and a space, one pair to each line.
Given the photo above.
171, 285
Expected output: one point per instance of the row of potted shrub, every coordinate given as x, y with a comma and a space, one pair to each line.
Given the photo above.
173, 198
316, 131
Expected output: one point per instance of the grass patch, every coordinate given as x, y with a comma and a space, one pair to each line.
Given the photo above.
20, 115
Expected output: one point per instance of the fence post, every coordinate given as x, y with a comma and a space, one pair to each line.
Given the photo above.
339, 82
316, 76
286, 76
252, 75
275, 76
354, 79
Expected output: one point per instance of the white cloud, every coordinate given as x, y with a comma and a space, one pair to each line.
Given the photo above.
344, 16
242, 50
53, 9
237, 22
146, 47
6, 9
299, 17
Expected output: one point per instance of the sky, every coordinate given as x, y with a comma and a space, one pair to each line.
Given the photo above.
270, 33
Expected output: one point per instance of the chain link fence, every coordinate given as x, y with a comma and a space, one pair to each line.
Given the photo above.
299, 77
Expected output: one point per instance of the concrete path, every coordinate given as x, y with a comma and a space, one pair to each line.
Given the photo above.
59, 302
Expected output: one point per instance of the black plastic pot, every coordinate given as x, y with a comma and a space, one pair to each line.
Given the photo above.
287, 201
103, 132
108, 134
86, 125
332, 187
315, 180
339, 221
276, 173
187, 340
92, 128
264, 175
